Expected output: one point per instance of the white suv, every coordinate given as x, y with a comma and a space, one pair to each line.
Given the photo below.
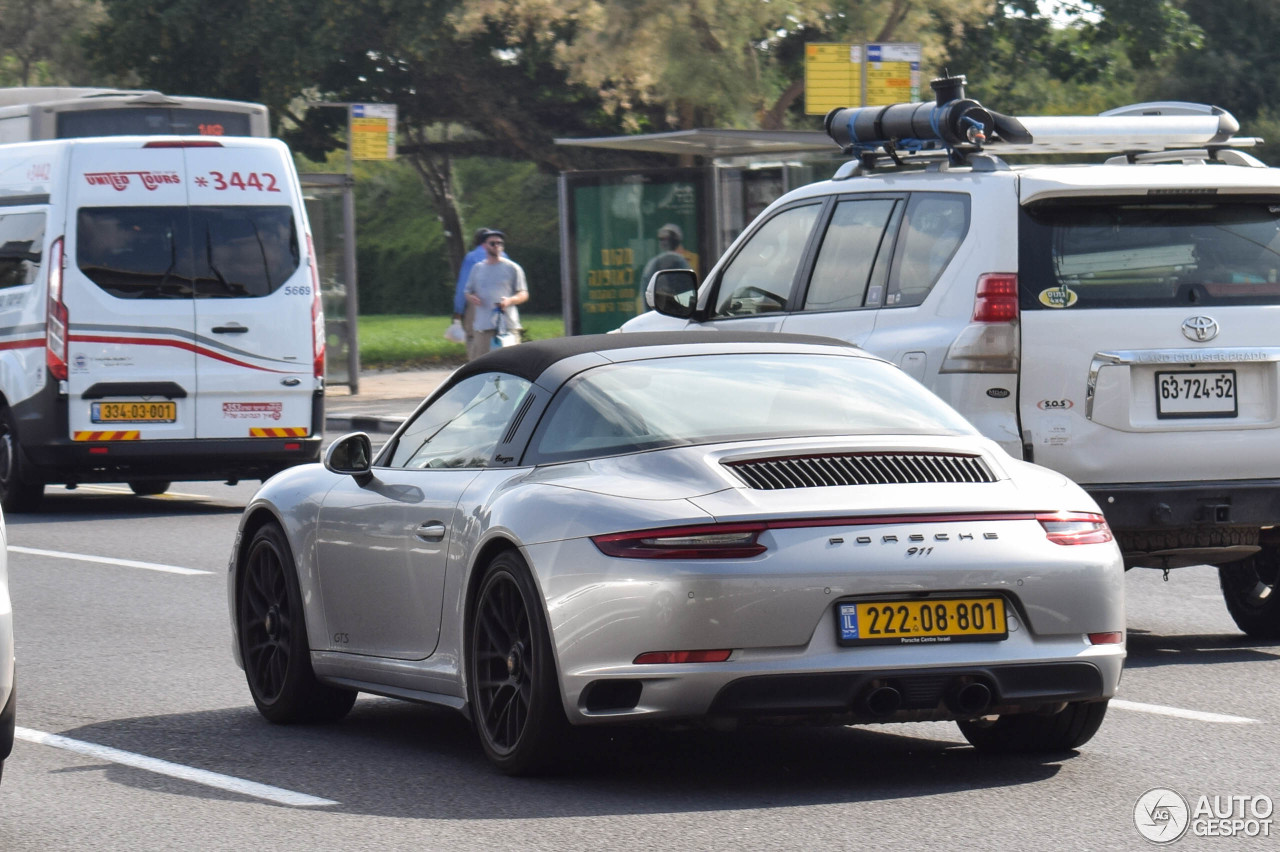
1116, 322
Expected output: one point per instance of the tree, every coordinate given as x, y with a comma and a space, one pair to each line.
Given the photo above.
488, 91
1081, 57
38, 41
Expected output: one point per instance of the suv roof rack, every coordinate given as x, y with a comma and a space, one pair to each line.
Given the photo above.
954, 127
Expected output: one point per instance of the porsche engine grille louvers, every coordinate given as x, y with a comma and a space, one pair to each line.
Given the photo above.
817, 471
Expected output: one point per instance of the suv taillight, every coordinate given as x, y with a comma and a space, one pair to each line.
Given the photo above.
997, 298
317, 313
989, 344
56, 318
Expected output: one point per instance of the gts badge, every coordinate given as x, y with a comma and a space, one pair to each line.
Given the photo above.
341, 639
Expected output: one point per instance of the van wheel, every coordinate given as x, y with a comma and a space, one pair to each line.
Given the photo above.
18, 492
1251, 590
147, 487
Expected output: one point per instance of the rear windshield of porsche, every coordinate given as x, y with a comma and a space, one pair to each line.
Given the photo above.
1151, 252
667, 402
185, 252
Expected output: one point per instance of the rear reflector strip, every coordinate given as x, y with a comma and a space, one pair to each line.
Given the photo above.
132, 435
278, 432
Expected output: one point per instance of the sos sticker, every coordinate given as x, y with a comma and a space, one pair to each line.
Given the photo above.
1058, 297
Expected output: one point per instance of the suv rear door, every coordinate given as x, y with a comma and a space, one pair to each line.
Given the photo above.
1148, 345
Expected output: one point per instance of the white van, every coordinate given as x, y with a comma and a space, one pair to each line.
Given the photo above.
159, 314
1114, 321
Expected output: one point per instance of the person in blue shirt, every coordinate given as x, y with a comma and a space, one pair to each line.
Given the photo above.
461, 309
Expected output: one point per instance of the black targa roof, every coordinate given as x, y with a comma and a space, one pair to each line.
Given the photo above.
529, 360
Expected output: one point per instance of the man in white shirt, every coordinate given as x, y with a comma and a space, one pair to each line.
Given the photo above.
495, 286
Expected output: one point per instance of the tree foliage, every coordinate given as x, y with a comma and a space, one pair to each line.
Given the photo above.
39, 41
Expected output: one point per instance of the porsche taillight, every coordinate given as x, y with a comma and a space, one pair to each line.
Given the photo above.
1075, 528
57, 320
712, 541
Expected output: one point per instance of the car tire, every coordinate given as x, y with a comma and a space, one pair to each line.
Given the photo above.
272, 632
149, 487
511, 673
1251, 592
19, 491
1027, 733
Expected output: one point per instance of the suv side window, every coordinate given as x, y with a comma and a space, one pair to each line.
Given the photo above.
760, 278
933, 228
852, 261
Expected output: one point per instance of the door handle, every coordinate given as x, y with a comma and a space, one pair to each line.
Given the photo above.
230, 329
431, 531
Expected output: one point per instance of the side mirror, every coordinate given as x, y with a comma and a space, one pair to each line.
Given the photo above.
350, 455
673, 292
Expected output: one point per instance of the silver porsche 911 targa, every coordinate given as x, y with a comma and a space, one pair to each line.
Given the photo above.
652, 528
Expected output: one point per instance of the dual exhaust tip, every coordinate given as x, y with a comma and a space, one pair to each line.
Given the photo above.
963, 697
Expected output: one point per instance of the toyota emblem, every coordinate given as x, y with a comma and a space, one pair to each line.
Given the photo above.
1200, 329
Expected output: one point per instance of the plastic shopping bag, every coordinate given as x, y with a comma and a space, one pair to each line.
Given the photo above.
454, 332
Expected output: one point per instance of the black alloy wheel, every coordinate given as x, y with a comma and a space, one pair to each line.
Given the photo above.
273, 638
515, 695
1251, 590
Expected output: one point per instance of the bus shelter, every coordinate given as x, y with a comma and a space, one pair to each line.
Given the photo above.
619, 226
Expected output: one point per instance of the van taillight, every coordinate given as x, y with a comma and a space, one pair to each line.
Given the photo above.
56, 319
184, 143
317, 313
989, 343
997, 298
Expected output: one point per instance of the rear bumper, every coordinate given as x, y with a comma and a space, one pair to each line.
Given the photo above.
928, 691
53, 458
240, 458
1157, 505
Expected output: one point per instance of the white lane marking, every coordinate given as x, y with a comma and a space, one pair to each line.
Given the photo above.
128, 492
107, 560
1178, 712
175, 770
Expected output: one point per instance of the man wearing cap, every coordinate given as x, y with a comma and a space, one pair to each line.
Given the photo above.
462, 312
672, 255
494, 288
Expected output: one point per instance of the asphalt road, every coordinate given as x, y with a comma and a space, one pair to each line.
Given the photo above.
137, 733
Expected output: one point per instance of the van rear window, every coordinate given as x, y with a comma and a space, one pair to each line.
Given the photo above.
185, 252
1150, 254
